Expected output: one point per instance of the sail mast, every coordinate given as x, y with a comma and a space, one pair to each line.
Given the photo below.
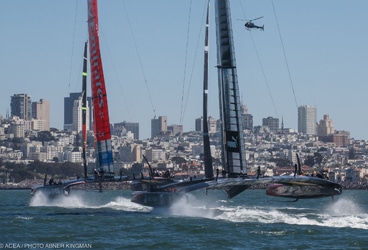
233, 151
206, 139
104, 160
84, 108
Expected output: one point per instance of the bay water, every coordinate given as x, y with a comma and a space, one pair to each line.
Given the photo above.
252, 220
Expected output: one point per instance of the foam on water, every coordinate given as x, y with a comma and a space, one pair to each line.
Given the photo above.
71, 201
80, 200
344, 213
122, 203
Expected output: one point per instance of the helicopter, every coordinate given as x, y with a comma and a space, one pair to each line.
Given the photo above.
250, 25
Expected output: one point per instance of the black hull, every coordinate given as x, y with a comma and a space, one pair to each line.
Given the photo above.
302, 191
56, 190
50, 191
155, 199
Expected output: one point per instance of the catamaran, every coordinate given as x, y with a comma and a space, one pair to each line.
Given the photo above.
104, 171
164, 191
53, 189
234, 179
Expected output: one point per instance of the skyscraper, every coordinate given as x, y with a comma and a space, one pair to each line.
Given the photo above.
271, 123
212, 124
325, 127
199, 124
307, 118
68, 110
21, 106
77, 115
121, 128
41, 111
158, 126
246, 118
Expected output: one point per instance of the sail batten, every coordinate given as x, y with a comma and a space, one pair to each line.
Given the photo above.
233, 153
104, 160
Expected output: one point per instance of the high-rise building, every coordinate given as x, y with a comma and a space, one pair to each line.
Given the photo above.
158, 126
212, 124
307, 118
246, 118
137, 153
198, 124
121, 128
325, 127
68, 110
271, 123
41, 112
21, 106
175, 129
77, 116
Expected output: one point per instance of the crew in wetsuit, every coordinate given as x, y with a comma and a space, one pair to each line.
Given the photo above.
295, 169
258, 171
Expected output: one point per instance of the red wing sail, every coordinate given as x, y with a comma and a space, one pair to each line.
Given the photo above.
104, 160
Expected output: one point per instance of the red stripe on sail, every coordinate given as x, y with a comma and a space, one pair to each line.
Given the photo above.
99, 99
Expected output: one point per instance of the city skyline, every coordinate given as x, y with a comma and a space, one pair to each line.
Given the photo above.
307, 120
144, 62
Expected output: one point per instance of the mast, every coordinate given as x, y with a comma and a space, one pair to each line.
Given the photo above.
206, 139
104, 160
233, 151
84, 108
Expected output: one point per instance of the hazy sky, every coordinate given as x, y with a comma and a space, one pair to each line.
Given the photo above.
152, 53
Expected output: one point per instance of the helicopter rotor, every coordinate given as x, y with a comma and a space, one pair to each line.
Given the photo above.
256, 18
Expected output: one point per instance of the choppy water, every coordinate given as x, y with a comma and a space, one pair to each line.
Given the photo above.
108, 220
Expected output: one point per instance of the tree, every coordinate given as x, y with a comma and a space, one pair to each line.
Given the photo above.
136, 168
178, 160
43, 136
281, 162
318, 158
309, 161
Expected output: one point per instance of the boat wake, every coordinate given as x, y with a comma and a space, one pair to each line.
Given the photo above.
92, 201
343, 213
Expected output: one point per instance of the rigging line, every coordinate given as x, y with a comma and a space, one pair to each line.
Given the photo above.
117, 75
185, 65
73, 42
195, 58
264, 76
139, 59
283, 50
261, 65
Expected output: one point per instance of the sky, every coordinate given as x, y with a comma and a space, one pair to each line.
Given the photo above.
310, 53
